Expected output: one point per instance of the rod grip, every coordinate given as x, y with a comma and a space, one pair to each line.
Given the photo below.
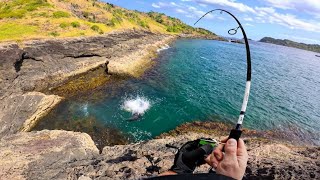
235, 134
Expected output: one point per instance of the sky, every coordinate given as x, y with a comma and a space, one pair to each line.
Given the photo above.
297, 20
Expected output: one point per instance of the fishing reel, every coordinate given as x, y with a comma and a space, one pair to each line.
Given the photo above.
192, 154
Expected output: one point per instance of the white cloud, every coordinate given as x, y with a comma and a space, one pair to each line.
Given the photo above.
228, 3
248, 19
203, 5
198, 13
296, 4
181, 11
248, 24
155, 5
257, 14
164, 4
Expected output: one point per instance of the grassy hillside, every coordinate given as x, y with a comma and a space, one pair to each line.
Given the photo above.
34, 19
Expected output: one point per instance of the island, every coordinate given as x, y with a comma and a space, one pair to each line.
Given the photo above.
289, 43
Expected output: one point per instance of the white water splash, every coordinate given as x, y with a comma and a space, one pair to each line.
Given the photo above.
84, 108
166, 46
139, 105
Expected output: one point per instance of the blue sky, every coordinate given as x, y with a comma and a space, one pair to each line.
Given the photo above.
297, 20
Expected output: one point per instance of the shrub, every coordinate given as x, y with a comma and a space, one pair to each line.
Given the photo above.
43, 14
143, 24
110, 23
60, 14
54, 34
95, 28
64, 25
86, 14
75, 24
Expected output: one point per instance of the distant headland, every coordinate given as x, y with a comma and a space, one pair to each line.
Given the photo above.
289, 43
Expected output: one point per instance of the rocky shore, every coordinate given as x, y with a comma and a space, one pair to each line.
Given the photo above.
31, 75
29, 70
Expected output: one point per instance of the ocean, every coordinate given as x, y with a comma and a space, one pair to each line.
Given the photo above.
202, 80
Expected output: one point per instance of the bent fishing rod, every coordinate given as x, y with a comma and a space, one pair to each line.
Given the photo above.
236, 132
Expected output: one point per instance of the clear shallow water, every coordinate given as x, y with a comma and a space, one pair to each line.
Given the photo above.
204, 80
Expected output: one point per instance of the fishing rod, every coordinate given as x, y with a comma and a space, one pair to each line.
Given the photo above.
236, 132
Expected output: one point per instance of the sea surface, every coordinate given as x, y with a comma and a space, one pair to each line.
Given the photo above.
203, 80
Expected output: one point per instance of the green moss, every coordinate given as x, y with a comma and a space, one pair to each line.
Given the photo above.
60, 14
16, 31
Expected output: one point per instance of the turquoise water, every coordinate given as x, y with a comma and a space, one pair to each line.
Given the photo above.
204, 80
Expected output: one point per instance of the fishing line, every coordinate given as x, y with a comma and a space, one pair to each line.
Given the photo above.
236, 133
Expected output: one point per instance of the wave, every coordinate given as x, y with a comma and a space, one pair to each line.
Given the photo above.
204, 58
166, 46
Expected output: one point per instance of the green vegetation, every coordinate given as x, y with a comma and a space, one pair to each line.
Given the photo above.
12, 31
289, 43
75, 24
54, 34
64, 25
61, 14
40, 19
19, 8
97, 29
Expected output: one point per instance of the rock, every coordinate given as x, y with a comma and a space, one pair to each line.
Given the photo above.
70, 155
20, 112
43, 154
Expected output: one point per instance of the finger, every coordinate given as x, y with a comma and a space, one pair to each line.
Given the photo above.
225, 139
242, 153
230, 150
212, 161
242, 150
218, 152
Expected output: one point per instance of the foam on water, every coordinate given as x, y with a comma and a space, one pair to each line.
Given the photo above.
204, 58
138, 105
166, 46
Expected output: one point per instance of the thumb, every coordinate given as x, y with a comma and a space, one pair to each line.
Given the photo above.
230, 149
